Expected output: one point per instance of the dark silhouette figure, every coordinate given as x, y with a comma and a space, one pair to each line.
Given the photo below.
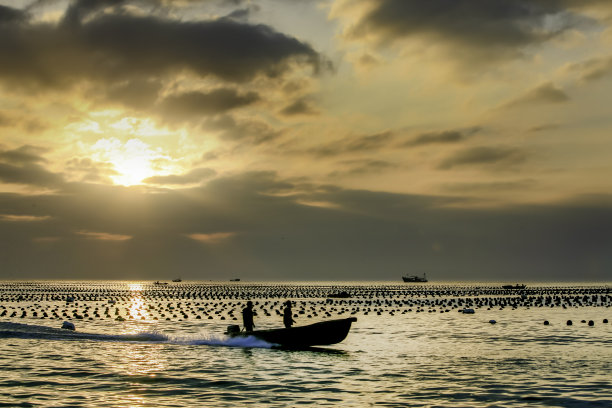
288, 315
247, 317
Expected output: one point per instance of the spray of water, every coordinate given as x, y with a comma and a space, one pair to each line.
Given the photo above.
19, 330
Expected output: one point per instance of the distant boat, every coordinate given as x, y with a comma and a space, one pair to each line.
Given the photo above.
341, 295
235, 280
414, 278
160, 283
177, 280
317, 334
517, 286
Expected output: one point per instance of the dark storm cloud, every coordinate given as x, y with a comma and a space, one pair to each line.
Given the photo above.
443, 137
116, 46
353, 145
274, 230
543, 94
489, 30
194, 176
198, 104
498, 157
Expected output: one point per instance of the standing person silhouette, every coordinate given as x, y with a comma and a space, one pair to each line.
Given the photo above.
247, 317
288, 315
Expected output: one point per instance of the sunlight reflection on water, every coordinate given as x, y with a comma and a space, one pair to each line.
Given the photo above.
399, 359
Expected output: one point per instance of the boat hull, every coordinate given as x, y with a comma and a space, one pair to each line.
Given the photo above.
413, 279
517, 286
317, 334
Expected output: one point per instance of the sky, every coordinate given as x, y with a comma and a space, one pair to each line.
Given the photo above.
306, 139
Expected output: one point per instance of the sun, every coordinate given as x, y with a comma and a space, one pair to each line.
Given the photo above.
133, 161
131, 171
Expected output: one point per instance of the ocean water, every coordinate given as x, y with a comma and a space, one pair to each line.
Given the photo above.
142, 345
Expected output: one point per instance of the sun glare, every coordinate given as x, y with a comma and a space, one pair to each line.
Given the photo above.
133, 160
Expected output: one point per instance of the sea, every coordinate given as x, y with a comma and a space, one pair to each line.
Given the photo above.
452, 344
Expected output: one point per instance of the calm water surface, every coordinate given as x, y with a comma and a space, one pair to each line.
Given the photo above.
394, 356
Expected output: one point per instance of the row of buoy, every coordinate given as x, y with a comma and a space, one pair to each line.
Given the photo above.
118, 291
122, 311
419, 303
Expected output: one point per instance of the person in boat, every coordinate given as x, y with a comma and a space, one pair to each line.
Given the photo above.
288, 315
247, 317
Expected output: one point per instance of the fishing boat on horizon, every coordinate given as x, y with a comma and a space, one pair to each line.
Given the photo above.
517, 286
317, 334
414, 278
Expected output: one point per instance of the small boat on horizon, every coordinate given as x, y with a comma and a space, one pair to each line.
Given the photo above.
235, 280
177, 280
160, 283
414, 278
517, 286
317, 334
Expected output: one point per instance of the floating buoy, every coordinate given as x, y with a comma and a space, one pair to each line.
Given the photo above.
591, 323
546, 323
492, 321
68, 325
605, 320
569, 323
468, 311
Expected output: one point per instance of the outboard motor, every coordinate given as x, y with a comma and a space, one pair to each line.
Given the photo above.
233, 329
68, 326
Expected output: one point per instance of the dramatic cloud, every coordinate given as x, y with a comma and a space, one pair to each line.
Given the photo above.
482, 30
259, 226
116, 46
29, 174
497, 157
136, 94
22, 166
209, 138
198, 104
23, 155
